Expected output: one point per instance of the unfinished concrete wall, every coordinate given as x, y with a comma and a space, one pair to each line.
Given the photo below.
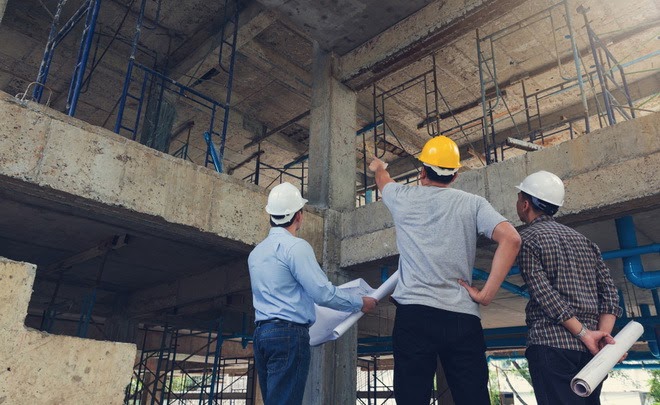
38, 368
607, 173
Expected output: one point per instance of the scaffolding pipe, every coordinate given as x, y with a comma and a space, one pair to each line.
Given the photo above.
578, 71
129, 68
518, 290
632, 265
83, 56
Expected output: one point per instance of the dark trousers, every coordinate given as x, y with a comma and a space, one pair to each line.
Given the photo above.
552, 370
422, 335
281, 357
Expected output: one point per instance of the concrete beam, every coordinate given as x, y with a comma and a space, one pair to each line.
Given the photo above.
200, 54
434, 26
50, 155
607, 173
39, 368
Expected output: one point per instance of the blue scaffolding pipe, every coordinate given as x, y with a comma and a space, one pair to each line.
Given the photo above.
129, 69
212, 152
57, 36
518, 290
384, 273
230, 79
634, 361
632, 265
83, 55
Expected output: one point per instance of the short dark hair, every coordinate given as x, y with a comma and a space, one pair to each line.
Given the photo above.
433, 176
540, 205
286, 224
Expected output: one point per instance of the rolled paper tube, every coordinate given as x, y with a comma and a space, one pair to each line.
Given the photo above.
381, 292
586, 381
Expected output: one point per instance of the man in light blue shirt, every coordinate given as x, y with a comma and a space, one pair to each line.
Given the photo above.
286, 282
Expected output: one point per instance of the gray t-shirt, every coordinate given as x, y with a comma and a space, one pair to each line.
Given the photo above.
436, 234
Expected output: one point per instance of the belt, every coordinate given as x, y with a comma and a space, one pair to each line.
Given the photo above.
283, 322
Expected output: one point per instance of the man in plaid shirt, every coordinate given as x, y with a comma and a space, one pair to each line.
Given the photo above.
573, 304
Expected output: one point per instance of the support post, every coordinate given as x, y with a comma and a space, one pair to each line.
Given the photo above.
333, 369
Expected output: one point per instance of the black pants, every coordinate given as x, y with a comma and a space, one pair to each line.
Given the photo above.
552, 370
421, 335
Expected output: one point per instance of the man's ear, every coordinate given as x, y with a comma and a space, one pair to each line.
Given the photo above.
422, 173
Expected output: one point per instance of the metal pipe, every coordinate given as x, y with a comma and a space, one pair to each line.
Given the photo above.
653, 344
632, 265
636, 251
85, 46
578, 70
129, 68
518, 290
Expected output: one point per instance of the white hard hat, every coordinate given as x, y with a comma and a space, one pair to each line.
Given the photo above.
545, 186
284, 199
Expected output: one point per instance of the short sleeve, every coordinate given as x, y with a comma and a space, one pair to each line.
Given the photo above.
487, 218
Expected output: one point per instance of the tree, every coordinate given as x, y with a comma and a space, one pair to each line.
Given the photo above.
654, 386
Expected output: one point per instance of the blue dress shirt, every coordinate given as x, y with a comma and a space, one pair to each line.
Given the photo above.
287, 280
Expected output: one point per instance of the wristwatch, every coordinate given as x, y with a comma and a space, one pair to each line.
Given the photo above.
581, 333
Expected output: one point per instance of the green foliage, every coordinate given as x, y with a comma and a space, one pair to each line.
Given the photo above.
654, 386
493, 387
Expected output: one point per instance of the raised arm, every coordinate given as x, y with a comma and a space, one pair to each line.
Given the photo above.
380, 170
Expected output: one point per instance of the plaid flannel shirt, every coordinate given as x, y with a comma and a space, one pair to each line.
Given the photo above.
566, 277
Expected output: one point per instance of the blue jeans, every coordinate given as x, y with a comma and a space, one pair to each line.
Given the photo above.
552, 370
282, 355
422, 335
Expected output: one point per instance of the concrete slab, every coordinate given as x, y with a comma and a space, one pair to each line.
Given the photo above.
38, 368
48, 152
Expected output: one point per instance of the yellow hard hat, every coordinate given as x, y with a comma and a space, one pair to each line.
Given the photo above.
441, 151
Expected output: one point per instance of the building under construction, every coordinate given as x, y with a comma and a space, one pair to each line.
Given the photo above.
139, 140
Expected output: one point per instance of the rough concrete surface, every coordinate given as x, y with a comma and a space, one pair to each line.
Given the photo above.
47, 151
38, 368
607, 172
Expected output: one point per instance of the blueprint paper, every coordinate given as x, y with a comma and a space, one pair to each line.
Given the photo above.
595, 371
331, 324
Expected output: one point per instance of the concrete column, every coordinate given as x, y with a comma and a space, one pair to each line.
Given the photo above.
332, 185
3, 5
332, 138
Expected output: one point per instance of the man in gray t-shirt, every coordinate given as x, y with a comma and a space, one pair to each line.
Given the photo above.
437, 309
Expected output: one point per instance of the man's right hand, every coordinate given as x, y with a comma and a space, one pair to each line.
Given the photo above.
369, 304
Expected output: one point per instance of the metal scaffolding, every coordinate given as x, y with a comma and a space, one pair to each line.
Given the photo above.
162, 93
89, 10
165, 374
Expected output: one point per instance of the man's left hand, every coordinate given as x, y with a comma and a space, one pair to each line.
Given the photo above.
474, 292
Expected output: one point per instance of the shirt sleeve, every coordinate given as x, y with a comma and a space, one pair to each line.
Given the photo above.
313, 280
390, 196
608, 298
538, 284
487, 218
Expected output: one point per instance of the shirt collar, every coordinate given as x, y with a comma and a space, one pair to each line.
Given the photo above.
542, 218
278, 230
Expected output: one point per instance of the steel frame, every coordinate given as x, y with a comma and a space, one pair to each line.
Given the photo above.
90, 10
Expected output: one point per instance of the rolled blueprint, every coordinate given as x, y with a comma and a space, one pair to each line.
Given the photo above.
595, 371
381, 292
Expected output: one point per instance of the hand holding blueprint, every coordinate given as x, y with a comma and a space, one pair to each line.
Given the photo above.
595, 371
331, 324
